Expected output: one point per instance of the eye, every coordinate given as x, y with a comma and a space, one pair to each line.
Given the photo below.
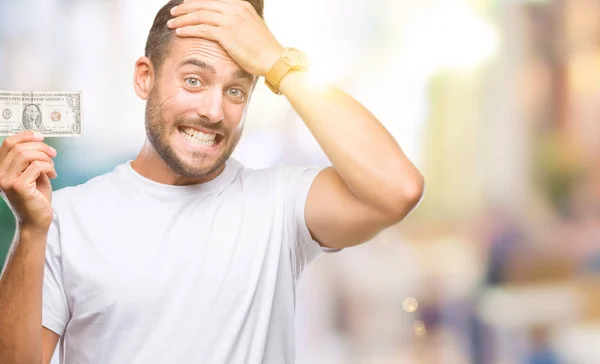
237, 93
193, 82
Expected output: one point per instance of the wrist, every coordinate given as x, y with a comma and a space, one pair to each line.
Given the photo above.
272, 59
291, 61
293, 80
31, 231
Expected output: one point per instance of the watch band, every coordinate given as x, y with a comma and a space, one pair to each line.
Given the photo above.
277, 72
286, 63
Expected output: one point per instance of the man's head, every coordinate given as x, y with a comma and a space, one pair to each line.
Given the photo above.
32, 113
32, 117
160, 37
197, 96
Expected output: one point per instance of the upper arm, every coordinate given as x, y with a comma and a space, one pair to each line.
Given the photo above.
49, 342
336, 218
55, 308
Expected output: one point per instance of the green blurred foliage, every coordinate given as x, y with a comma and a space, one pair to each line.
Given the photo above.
7, 229
557, 169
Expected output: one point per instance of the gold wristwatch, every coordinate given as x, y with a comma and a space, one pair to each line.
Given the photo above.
291, 60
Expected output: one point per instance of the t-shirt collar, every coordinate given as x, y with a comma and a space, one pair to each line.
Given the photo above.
225, 178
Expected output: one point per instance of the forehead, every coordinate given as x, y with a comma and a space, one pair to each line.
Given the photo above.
183, 49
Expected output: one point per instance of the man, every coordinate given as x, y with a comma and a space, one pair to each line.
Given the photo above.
32, 117
183, 255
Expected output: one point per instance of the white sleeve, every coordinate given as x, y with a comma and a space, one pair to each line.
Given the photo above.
297, 182
55, 310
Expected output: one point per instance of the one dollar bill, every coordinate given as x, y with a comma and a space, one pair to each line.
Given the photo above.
52, 114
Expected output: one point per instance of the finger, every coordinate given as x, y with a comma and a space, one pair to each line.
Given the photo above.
199, 17
223, 1
28, 179
11, 141
219, 6
199, 31
22, 147
23, 161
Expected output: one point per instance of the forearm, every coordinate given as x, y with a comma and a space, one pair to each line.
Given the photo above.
363, 152
21, 299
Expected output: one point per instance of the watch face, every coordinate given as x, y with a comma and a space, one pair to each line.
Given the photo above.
298, 58
295, 53
291, 60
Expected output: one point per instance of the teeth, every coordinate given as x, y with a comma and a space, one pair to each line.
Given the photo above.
198, 137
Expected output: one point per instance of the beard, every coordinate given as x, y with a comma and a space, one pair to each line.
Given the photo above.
194, 165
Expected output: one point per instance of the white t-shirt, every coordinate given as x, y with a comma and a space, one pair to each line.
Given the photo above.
139, 272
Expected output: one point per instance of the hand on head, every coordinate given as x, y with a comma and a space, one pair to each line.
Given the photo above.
236, 25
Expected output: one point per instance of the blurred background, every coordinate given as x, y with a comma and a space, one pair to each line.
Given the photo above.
496, 101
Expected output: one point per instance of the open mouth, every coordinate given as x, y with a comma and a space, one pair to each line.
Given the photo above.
199, 138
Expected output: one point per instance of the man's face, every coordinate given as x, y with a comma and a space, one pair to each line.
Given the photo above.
32, 113
195, 110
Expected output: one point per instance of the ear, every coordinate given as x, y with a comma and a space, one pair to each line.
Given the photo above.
143, 78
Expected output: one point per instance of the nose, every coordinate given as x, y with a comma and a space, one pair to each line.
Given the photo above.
211, 106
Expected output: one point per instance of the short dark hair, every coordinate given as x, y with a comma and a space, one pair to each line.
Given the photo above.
160, 36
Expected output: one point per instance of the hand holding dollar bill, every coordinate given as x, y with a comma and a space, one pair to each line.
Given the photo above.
52, 114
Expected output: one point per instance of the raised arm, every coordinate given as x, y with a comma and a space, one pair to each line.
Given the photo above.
372, 184
25, 170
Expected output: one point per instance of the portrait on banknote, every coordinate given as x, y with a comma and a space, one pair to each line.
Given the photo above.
32, 117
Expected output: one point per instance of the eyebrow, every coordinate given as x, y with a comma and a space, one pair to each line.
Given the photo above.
238, 74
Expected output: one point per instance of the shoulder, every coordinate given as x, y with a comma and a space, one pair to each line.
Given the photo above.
280, 174
279, 182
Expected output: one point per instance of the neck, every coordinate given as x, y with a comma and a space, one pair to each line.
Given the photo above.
149, 165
